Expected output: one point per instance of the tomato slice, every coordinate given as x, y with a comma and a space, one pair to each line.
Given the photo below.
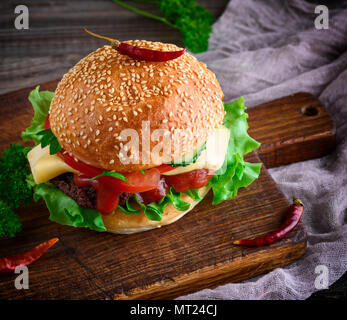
157, 194
80, 166
190, 180
47, 123
164, 168
139, 182
106, 199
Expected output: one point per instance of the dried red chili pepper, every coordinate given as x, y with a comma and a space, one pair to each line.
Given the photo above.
139, 53
292, 219
9, 264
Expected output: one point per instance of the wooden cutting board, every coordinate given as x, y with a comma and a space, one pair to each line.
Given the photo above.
194, 253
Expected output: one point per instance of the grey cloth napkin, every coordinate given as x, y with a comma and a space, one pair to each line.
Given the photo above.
264, 50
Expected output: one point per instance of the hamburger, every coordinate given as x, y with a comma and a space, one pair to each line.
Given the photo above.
126, 145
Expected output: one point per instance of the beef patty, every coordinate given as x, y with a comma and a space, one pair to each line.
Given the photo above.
84, 196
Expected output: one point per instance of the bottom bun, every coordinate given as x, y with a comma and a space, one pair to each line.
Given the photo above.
121, 223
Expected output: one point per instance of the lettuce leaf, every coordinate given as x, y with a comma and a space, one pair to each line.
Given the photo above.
41, 101
65, 210
235, 172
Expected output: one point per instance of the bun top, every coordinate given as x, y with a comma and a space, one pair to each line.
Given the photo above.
106, 92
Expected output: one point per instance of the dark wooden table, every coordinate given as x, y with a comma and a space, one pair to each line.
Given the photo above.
55, 42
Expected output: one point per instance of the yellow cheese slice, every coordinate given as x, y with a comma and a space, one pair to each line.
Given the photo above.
44, 166
212, 157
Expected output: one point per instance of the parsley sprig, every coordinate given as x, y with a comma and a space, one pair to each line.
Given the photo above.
192, 20
116, 175
9, 221
48, 138
15, 189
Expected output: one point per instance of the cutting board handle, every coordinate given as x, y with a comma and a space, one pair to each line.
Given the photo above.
291, 129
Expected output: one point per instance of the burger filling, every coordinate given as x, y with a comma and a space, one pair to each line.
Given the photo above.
105, 194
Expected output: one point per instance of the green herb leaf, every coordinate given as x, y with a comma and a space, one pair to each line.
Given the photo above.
112, 174
194, 194
176, 201
14, 169
54, 147
192, 20
130, 208
45, 140
154, 211
9, 222
151, 210
49, 139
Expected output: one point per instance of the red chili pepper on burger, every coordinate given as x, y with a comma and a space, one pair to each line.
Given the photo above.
9, 264
139, 53
292, 219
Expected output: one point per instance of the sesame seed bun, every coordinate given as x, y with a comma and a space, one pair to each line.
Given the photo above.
121, 223
107, 92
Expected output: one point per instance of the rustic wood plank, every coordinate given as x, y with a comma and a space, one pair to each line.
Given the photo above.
55, 40
191, 254
293, 128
